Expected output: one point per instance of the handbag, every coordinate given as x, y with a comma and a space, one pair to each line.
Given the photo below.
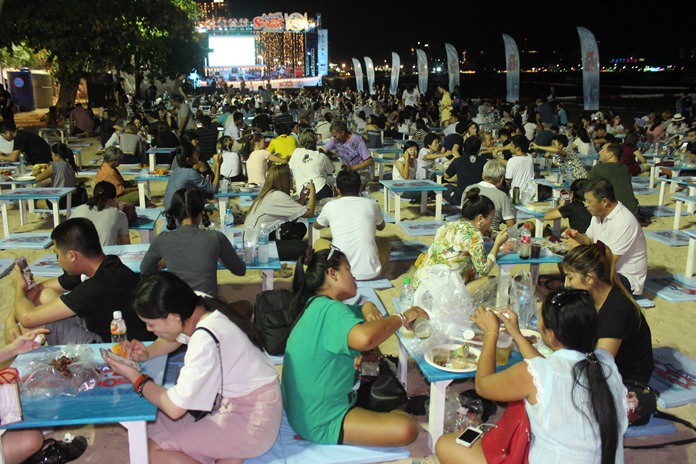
509, 440
383, 394
642, 402
198, 415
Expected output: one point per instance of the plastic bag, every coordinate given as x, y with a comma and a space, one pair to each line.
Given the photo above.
442, 293
65, 372
523, 299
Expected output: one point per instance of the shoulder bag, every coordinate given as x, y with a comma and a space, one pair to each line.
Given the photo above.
198, 415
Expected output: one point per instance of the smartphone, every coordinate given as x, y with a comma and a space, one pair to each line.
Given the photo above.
26, 272
113, 356
469, 436
565, 195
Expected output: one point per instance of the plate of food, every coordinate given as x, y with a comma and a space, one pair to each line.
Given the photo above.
458, 358
23, 178
159, 172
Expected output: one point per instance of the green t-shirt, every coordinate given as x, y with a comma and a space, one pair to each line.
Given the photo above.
319, 377
620, 178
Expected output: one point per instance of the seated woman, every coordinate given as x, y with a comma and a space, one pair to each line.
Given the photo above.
61, 170
578, 216
102, 210
460, 244
165, 137
188, 251
231, 165
130, 143
306, 163
631, 155
126, 191
431, 152
579, 379
186, 176
319, 377
622, 329
278, 212
257, 163
53, 118
226, 372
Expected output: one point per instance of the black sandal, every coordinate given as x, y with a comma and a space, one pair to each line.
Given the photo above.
58, 452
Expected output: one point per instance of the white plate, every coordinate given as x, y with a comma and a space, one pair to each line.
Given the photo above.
475, 351
25, 178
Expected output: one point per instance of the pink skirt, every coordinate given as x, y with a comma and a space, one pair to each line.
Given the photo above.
243, 427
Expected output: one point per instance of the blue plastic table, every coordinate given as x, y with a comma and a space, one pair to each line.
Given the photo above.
507, 260
36, 193
538, 220
438, 379
397, 187
144, 184
146, 222
686, 181
113, 400
223, 197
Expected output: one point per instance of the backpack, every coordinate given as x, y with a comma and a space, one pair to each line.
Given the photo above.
273, 318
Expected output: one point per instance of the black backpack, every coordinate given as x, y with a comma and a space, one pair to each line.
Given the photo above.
273, 318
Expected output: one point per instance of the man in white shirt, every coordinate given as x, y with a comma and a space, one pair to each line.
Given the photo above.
411, 96
615, 226
233, 126
354, 221
493, 178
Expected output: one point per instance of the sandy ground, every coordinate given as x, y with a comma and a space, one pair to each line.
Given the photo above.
671, 325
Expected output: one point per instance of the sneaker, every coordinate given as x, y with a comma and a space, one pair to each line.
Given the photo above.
58, 452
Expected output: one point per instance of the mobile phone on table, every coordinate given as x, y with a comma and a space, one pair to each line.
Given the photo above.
26, 272
469, 436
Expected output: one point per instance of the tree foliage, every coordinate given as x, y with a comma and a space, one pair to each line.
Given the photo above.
155, 37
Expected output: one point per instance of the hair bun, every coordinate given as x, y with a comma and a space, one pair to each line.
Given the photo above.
473, 193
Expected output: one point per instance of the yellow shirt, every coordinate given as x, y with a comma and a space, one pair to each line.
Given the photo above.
283, 146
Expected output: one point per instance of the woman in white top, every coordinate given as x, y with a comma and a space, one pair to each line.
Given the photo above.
226, 372
431, 152
575, 398
306, 163
231, 168
102, 210
405, 167
257, 164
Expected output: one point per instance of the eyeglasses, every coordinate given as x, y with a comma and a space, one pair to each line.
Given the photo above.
332, 249
564, 294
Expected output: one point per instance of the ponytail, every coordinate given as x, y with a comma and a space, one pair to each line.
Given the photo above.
602, 403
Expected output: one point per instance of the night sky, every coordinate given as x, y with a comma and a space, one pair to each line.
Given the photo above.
375, 28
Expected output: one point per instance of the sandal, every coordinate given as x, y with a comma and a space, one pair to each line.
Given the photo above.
58, 452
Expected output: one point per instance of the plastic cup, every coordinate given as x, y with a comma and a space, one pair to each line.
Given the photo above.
224, 185
502, 348
249, 252
536, 250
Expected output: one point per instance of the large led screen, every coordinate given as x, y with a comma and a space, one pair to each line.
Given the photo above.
231, 51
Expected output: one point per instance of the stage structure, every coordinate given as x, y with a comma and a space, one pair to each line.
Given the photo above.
289, 50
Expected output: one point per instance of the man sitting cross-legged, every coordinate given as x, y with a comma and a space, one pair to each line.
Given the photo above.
78, 306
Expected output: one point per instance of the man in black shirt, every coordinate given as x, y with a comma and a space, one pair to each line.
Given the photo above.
207, 139
34, 147
77, 311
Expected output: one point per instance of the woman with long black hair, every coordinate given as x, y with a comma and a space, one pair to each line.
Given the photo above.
226, 372
575, 398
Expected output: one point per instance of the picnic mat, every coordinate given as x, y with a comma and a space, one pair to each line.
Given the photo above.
644, 302
655, 426
290, 449
660, 211
674, 377
37, 240
644, 190
406, 250
416, 228
672, 287
668, 237
5, 265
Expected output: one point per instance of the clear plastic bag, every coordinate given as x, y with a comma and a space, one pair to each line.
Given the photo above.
442, 293
65, 372
523, 298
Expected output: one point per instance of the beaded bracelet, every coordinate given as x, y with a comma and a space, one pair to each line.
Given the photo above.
139, 384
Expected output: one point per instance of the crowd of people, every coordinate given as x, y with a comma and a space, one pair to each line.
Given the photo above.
319, 156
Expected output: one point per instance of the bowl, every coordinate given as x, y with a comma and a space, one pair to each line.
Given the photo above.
246, 189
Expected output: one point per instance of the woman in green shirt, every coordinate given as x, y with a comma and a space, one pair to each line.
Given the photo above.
322, 357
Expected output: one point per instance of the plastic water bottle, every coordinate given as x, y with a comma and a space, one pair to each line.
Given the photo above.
262, 244
118, 328
22, 164
525, 249
406, 297
229, 219
568, 174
